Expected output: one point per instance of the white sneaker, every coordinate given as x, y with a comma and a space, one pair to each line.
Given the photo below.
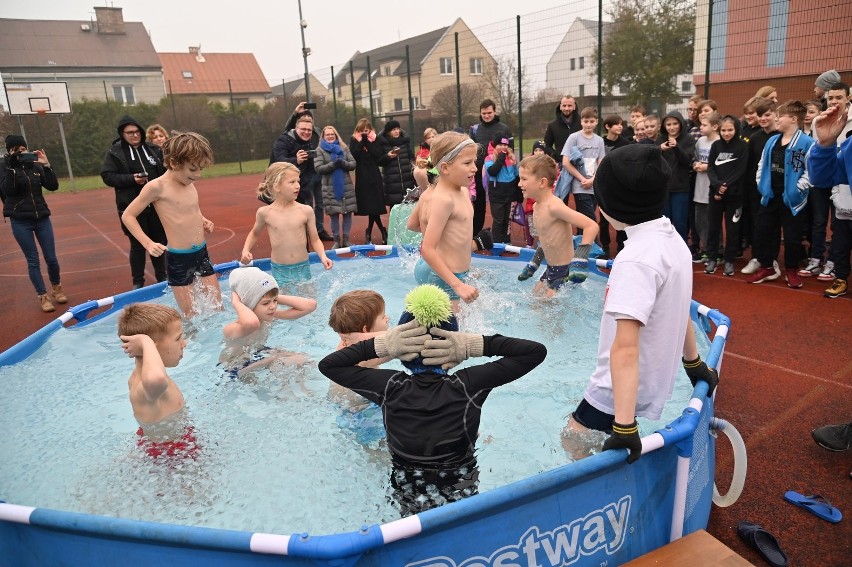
752, 266
827, 274
811, 269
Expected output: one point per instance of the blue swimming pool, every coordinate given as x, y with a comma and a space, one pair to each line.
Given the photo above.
597, 509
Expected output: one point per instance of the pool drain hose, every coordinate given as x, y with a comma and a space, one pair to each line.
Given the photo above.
740, 464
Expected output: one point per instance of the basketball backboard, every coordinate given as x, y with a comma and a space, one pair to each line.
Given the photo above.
38, 98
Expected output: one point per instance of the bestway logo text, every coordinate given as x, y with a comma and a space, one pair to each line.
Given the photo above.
602, 529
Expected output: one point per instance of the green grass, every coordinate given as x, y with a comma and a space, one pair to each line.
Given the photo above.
90, 182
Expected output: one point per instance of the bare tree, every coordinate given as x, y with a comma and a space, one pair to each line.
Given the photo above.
500, 81
444, 105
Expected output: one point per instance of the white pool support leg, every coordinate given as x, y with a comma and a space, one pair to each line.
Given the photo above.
681, 482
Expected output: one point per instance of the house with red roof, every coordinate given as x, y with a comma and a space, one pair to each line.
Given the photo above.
222, 77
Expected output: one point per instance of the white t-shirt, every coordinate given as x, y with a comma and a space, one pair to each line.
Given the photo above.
593, 151
651, 282
702, 181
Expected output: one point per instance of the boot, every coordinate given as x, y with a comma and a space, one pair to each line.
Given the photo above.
58, 294
344, 242
368, 238
384, 232
336, 244
46, 304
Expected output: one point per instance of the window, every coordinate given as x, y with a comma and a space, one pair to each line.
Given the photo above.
476, 66
186, 74
573, 63
241, 101
387, 70
446, 66
686, 86
124, 94
582, 91
415, 102
582, 62
397, 104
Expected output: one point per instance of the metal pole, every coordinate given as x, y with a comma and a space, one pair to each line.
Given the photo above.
410, 99
21, 126
600, 63
106, 95
370, 90
172, 98
236, 130
305, 52
520, 95
334, 95
458, 86
709, 47
354, 105
67, 157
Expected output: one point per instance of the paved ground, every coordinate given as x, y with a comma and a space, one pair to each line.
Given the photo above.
787, 368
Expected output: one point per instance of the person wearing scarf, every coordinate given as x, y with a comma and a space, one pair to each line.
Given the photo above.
333, 162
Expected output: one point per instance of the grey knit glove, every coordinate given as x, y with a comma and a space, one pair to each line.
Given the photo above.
403, 341
452, 349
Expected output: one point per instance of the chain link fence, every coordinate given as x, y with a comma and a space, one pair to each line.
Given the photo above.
606, 54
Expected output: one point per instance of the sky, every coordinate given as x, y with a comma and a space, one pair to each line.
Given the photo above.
270, 29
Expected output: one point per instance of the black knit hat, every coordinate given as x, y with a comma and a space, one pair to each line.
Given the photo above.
631, 183
539, 145
501, 139
391, 124
14, 141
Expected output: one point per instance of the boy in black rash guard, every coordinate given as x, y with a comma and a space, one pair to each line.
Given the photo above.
431, 416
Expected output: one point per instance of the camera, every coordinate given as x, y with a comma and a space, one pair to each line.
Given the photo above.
27, 157
311, 153
310, 106
395, 149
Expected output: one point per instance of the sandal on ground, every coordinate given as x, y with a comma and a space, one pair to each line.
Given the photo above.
764, 542
815, 504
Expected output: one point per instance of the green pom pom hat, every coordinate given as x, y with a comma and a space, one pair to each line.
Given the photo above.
430, 306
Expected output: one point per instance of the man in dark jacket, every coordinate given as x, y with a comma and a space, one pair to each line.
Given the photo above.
489, 127
128, 165
297, 145
566, 123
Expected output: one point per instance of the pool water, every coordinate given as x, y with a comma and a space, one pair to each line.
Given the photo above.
276, 454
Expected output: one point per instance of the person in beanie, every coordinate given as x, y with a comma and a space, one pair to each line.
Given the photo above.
431, 415
647, 302
823, 84
128, 165
23, 177
396, 162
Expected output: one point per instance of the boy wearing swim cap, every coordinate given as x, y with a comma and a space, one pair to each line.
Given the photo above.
255, 297
642, 331
431, 416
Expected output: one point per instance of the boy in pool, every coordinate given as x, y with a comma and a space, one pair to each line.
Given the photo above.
255, 297
554, 222
431, 416
445, 250
153, 335
642, 335
290, 224
174, 197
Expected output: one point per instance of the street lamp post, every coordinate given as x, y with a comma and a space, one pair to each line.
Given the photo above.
305, 52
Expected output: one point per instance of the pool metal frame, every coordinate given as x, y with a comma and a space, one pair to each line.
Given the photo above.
575, 514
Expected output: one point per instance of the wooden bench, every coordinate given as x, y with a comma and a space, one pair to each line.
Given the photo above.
698, 549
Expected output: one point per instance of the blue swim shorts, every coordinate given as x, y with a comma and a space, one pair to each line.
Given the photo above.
555, 276
289, 274
424, 274
183, 265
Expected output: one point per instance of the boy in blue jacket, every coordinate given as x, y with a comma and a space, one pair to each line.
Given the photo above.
503, 186
783, 184
830, 168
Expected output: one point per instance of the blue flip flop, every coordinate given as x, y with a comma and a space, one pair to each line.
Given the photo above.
815, 504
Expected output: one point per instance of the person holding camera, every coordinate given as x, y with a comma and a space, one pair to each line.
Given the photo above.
297, 144
396, 162
24, 176
128, 165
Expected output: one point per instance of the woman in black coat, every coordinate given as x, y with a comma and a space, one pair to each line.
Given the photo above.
396, 160
369, 192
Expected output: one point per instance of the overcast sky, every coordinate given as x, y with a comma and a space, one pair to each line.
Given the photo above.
270, 29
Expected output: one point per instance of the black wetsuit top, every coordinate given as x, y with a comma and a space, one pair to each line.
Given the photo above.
432, 418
